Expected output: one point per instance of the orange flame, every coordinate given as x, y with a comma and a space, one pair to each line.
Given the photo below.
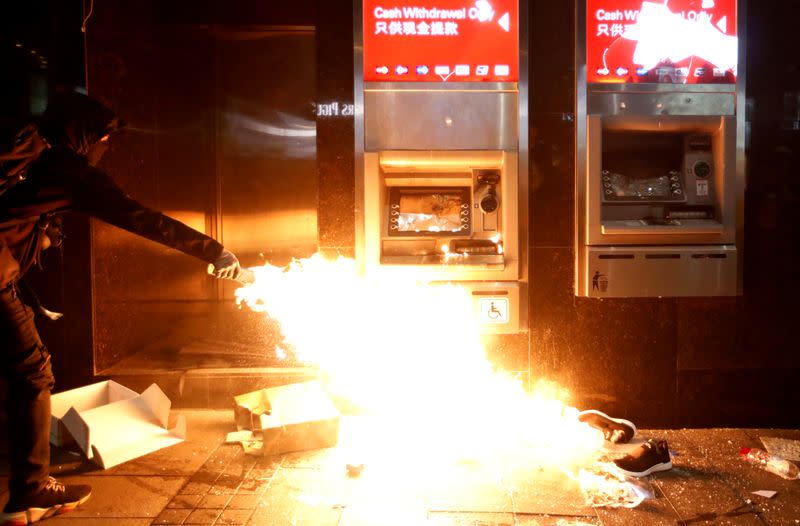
410, 355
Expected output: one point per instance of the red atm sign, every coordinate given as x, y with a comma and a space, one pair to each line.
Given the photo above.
441, 41
674, 42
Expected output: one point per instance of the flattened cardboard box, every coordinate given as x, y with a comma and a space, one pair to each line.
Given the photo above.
83, 399
121, 429
294, 417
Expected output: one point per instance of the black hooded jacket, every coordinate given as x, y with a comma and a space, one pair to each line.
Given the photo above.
64, 178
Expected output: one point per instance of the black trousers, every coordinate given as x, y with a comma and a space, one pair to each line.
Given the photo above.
25, 363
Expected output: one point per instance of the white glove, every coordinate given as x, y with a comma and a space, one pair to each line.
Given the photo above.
51, 315
227, 266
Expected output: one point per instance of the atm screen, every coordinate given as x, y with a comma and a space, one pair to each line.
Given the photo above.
427, 210
673, 42
642, 166
441, 41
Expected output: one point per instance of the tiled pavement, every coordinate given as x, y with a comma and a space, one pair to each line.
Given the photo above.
204, 482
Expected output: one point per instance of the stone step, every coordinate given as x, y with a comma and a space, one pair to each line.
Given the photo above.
212, 388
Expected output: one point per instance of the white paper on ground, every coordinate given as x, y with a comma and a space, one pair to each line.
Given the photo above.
765, 493
603, 486
115, 433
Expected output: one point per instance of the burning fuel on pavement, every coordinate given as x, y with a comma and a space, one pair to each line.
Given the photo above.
407, 358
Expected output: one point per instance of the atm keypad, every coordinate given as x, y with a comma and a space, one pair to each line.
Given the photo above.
675, 184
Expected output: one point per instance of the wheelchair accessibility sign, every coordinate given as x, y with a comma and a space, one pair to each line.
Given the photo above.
493, 310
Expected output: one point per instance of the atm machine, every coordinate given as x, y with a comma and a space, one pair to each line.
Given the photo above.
659, 148
441, 148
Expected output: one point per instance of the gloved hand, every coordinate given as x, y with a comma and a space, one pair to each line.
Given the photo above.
227, 266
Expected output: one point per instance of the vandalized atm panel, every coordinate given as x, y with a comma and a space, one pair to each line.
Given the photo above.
660, 151
441, 147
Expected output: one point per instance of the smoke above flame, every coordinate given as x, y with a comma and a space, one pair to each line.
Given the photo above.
410, 356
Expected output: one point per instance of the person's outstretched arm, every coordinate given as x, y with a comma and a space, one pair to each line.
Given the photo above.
99, 196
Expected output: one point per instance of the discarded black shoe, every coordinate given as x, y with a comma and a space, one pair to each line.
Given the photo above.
650, 457
54, 499
616, 430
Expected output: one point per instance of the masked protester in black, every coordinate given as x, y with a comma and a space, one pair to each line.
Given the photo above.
76, 129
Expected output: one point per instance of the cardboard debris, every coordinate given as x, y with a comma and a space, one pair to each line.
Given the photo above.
252, 447
83, 399
294, 417
782, 447
121, 429
239, 436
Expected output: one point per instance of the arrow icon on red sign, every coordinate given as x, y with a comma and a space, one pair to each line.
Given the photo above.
444, 72
505, 22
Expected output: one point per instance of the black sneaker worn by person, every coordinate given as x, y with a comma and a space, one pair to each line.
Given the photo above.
616, 430
650, 457
54, 499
